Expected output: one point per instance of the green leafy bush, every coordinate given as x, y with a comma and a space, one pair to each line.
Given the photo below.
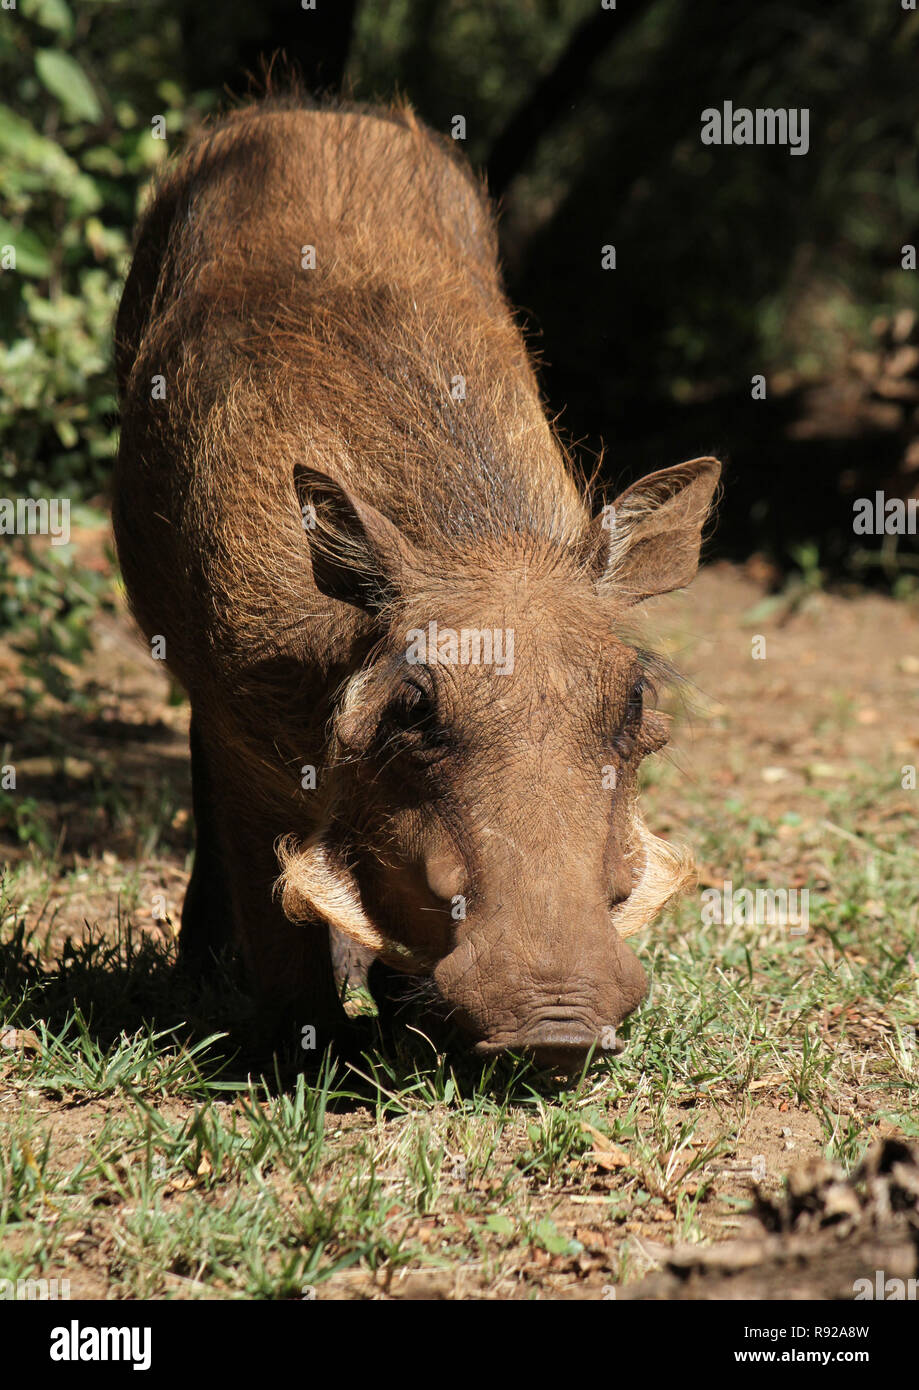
82, 87
48, 601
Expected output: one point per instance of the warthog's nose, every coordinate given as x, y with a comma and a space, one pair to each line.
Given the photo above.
556, 1043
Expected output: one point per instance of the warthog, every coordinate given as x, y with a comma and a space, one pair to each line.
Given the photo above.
340, 507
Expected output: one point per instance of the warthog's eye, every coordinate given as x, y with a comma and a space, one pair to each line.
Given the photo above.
636, 706
413, 708
626, 737
411, 717
411, 725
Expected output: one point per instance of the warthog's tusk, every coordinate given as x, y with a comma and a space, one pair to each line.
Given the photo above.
313, 885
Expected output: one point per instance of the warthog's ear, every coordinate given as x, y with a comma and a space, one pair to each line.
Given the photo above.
358, 556
648, 541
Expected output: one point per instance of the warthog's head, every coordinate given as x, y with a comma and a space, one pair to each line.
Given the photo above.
484, 826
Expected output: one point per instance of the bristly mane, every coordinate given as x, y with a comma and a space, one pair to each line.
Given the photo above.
397, 356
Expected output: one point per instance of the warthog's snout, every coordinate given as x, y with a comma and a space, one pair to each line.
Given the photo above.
558, 1021
558, 1042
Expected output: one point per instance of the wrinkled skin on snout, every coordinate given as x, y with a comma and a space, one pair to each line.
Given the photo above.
484, 828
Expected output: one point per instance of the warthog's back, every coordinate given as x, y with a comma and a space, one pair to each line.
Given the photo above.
385, 355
